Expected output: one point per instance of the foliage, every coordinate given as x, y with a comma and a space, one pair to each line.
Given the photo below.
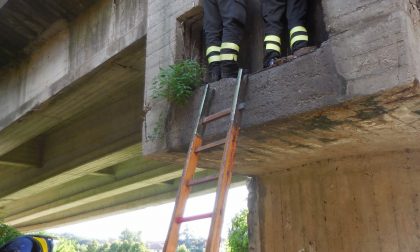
182, 248
191, 243
127, 235
7, 234
65, 245
238, 233
128, 242
178, 81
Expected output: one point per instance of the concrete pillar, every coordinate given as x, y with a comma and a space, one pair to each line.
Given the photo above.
361, 203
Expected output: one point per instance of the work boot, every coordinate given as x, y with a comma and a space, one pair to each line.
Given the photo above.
298, 45
270, 59
214, 72
229, 69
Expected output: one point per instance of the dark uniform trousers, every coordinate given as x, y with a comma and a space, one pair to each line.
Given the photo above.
274, 12
224, 22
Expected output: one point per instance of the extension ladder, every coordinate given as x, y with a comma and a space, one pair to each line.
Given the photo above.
224, 177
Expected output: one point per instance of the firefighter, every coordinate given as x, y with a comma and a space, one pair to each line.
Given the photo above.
224, 22
29, 243
274, 13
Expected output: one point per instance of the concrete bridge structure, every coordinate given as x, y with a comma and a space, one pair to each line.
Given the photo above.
331, 139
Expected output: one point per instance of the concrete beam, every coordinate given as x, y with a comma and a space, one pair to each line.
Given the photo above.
28, 155
64, 72
83, 146
139, 199
110, 190
383, 122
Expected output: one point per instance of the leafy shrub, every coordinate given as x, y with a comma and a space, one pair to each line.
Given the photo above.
178, 81
238, 233
7, 234
182, 248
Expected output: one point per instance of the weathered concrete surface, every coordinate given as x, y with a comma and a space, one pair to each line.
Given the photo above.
359, 203
22, 22
67, 58
71, 110
70, 123
383, 122
70, 120
272, 94
372, 46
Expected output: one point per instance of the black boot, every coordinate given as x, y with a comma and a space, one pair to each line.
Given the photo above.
299, 47
270, 58
229, 69
214, 72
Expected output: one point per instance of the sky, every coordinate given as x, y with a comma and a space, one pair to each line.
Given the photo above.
153, 222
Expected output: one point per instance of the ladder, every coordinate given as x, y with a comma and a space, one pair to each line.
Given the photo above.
224, 177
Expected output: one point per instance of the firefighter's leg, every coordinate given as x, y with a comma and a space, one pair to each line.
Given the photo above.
233, 14
213, 29
296, 16
273, 12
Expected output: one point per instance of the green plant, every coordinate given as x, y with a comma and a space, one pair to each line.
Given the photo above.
238, 233
178, 81
7, 234
182, 248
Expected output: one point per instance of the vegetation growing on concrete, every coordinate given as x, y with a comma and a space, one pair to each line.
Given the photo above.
7, 234
238, 233
178, 81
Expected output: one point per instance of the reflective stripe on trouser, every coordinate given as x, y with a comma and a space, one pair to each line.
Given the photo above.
229, 51
213, 54
297, 34
272, 42
224, 21
274, 13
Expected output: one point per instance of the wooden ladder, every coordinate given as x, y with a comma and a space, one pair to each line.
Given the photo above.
224, 177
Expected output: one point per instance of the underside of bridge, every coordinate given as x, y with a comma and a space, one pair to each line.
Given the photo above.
71, 113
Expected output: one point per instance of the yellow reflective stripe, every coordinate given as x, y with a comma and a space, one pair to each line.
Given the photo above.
272, 38
297, 29
228, 45
42, 243
274, 47
212, 49
298, 38
214, 58
233, 57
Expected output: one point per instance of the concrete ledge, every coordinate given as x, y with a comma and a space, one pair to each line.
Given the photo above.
299, 113
302, 85
305, 84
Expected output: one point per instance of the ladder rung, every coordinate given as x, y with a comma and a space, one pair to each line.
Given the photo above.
203, 180
220, 114
193, 218
211, 145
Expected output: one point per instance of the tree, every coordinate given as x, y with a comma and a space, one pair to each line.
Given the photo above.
191, 243
238, 233
128, 242
93, 246
127, 235
7, 234
65, 245
182, 248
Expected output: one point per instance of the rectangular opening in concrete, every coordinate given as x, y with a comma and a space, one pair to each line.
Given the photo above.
316, 26
190, 39
190, 36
